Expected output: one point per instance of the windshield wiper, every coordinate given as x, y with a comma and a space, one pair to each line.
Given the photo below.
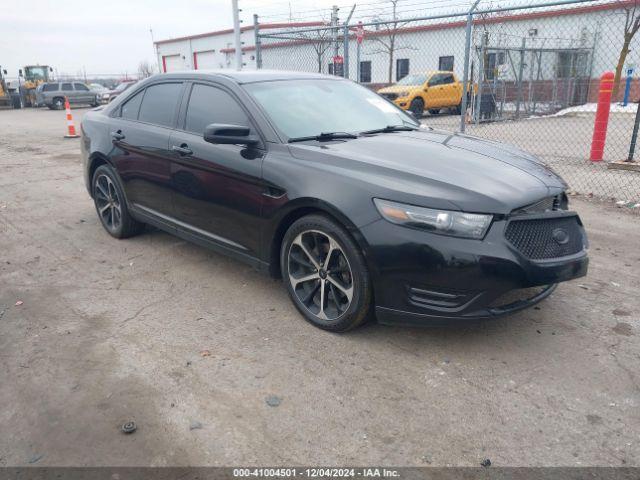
389, 129
324, 136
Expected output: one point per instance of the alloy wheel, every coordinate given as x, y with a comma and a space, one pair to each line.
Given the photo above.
320, 275
108, 203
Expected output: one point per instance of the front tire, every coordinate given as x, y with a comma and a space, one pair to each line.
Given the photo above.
325, 274
57, 103
111, 204
417, 107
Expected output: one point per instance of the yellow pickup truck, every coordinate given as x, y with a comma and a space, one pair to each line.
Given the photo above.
430, 91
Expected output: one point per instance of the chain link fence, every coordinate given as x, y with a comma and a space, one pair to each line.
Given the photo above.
530, 72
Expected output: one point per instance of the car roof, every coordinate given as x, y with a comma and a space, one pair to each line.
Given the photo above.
249, 76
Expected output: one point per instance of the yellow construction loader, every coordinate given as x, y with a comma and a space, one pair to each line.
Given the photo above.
31, 76
10, 92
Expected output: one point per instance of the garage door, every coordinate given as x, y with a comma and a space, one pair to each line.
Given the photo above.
204, 60
171, 63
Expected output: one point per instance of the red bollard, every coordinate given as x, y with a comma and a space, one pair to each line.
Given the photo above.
602, 117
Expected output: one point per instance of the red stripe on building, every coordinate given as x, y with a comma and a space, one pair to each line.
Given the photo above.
195, 60
164, 64
459, 24
262, 26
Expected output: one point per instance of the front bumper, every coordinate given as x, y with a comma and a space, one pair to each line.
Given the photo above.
402, 103
422, 278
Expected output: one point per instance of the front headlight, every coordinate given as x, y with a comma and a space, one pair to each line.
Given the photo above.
445, 222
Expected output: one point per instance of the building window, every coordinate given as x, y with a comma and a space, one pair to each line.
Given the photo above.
491, 64
571, 64
446, 63
402, 68
365, 72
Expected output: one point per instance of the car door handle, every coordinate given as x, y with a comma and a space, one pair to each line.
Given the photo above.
183, 149
117, 135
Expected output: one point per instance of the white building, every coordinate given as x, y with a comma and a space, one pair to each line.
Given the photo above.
544, 45
214, 49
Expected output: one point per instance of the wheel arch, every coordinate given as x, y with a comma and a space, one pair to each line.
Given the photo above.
300, 208
96, 159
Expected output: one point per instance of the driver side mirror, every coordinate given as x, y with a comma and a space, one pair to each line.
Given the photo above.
230, 135
20, 72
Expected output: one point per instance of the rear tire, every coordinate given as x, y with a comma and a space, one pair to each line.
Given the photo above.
111, 204
417, 107
325, 274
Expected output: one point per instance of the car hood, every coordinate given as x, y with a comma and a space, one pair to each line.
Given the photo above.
438, 169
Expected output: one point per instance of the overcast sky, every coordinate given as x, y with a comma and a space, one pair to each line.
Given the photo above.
112, 37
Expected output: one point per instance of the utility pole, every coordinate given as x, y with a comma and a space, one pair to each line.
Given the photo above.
236, 34
345, 48
155, 49
256, 32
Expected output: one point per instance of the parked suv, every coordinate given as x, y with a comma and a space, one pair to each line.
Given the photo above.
354, 203
52, 94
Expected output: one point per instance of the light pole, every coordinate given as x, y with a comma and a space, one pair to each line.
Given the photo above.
236, 34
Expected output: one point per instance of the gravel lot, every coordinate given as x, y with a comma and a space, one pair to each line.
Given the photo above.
191, 345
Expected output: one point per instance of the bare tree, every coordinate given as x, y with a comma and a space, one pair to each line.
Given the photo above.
145, 69
631, 27
320, 40
389, 41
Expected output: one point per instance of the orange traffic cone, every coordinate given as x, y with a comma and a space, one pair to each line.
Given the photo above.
71, 129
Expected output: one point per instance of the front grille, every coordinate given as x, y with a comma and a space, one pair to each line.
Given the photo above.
549, 204
544, 238
390, 96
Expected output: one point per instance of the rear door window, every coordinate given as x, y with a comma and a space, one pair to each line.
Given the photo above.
66, 87
131, 107
159, 104
209, 105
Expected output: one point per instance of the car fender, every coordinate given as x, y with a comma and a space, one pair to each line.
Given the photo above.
297, 208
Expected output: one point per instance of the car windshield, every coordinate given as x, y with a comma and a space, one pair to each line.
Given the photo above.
301, 108
413, 80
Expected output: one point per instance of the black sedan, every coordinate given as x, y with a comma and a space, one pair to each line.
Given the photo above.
356, 205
